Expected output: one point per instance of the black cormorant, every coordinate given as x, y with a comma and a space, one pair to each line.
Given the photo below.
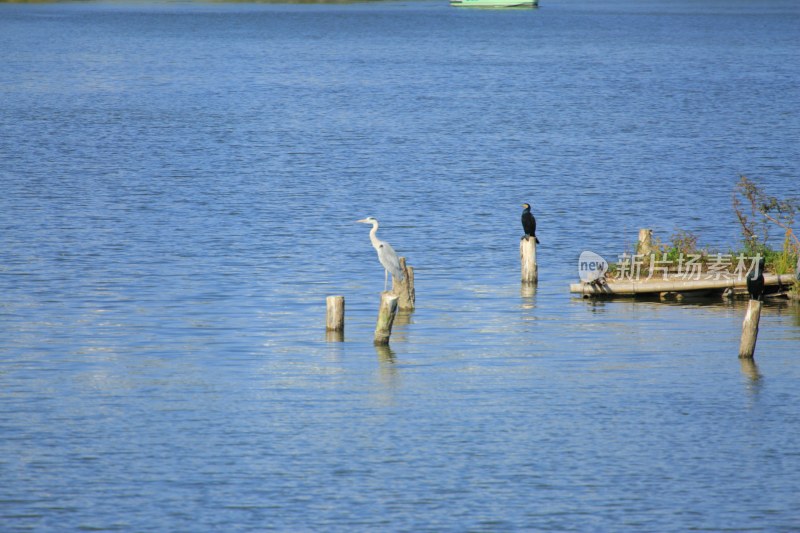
755, 282
529, 223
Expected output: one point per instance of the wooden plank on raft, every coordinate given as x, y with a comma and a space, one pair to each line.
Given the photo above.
614, 287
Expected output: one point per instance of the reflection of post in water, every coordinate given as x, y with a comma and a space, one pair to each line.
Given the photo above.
385, 353
795, 307
388, 374
596, 305
750, 369
527, 291
402, 318
334, 335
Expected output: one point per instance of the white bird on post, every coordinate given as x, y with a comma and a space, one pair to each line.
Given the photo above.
386, 254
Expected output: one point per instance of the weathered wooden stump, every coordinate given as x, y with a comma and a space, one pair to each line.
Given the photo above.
334, 317
527, 255
386, 312
404, 289
747, 346
644, 245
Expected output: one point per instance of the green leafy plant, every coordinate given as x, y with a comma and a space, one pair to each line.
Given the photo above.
682, 243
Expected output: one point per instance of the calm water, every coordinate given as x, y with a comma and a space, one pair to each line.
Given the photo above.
178, 189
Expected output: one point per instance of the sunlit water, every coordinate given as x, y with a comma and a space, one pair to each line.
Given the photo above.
179, 185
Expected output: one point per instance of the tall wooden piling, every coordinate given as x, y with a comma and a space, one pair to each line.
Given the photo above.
404, 289
747, 346
386, 312
334, 317
527, 255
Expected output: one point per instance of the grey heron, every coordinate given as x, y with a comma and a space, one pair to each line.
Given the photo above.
386, 254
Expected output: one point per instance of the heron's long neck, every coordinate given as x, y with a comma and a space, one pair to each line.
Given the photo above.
372, 237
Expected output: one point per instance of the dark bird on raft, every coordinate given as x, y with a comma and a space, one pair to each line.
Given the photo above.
529, 223
755, 281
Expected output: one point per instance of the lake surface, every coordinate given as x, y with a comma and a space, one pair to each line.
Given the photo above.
178, 186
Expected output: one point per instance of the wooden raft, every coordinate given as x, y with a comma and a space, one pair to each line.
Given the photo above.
654, 286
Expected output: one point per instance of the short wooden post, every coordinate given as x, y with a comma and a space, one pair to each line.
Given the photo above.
644, 245
404, 289
388, 308
527, 254
334, 318
747, 346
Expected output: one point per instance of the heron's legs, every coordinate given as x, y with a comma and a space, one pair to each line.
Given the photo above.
385, 279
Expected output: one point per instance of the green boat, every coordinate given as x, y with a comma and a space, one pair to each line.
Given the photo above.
495, 3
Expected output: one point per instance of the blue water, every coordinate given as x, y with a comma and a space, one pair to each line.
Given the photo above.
178, 189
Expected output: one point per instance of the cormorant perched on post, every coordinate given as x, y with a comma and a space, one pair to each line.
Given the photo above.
755, 282
529, 223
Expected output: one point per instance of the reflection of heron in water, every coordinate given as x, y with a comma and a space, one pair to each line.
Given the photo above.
386, 254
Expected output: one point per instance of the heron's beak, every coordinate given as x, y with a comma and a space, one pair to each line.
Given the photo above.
363, 221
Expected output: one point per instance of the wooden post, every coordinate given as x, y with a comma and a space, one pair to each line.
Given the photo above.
406, 297
527, 254
334, 318
383, 328
747, 346
645, 244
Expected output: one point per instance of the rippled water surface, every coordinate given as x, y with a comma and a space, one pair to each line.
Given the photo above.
178, 185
